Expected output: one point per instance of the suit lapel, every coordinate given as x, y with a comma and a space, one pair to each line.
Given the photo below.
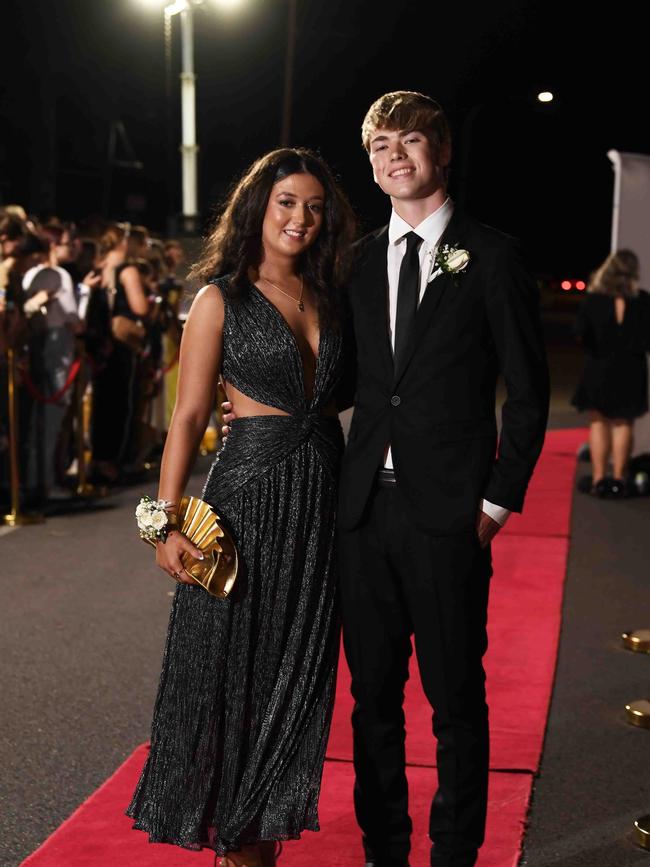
374, 280
434, 293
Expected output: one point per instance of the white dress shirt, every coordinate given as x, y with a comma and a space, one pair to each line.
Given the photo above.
430, 230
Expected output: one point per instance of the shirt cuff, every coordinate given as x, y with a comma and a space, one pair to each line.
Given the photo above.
497, 513
82, 309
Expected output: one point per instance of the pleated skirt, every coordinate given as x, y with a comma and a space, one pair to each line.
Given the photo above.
245, 698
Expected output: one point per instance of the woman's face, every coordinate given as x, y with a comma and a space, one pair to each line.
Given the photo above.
294, 215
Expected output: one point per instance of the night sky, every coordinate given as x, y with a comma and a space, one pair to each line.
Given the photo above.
69, 68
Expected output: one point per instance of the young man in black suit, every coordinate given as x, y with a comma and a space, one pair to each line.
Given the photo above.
440, 306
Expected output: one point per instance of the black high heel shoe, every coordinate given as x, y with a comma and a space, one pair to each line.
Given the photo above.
601, 489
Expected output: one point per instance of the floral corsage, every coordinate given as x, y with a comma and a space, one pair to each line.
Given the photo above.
155, 519
450, 260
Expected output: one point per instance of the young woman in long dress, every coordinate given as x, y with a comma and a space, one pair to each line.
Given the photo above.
245, 699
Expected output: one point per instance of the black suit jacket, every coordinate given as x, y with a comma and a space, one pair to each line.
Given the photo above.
438, 409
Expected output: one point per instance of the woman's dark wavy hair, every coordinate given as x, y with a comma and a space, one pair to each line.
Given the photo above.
234, 246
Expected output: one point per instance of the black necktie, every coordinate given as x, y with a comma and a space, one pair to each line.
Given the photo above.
408, 294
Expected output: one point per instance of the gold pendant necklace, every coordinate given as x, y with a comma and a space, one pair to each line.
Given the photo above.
298, 301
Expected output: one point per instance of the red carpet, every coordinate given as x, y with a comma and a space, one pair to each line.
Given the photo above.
524, 622
99, 835
548, 504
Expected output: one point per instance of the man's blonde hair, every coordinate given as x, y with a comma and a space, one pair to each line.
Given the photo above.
407, 110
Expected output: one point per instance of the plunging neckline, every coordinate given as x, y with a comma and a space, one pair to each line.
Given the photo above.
294, 339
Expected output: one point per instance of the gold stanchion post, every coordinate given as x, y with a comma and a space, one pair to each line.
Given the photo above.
642, 832
637, 640
15, 518
83, 406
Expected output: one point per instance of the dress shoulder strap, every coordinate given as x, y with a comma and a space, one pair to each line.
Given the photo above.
223, 283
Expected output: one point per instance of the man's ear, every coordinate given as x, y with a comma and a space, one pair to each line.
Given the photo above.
444, 154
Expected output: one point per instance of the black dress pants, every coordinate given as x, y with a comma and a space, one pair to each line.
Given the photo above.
397, 581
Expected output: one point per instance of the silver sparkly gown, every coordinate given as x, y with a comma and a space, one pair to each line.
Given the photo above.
247, 686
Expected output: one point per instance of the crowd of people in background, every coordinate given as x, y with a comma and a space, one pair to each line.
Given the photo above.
85, 309
94, 308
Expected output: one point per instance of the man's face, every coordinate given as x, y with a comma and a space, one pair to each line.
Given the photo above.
405, 165
67, 250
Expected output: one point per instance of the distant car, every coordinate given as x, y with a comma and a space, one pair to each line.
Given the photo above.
556, 291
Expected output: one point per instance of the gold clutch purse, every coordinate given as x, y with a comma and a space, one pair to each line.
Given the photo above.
218, 571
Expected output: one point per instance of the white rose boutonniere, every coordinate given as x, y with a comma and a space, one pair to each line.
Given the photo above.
450, 260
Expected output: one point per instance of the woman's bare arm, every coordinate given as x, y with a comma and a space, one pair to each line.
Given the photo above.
134, 289
199, 367
198, 370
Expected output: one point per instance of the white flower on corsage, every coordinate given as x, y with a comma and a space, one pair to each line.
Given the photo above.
152, 519
141, 510
159, 519
450, 260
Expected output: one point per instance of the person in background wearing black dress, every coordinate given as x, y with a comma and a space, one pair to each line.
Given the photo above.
613, 326
116, 381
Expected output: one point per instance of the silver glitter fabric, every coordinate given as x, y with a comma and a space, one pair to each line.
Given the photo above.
245, 697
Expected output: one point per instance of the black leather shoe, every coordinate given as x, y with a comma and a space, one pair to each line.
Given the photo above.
371, 859
443, 858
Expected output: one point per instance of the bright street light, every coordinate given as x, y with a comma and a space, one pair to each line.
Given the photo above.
545, 96
189, 147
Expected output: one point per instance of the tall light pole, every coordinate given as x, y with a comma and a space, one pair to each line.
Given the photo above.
189, 148
287, 100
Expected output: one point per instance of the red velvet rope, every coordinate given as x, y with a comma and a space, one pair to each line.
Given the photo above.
56, 397
72, 375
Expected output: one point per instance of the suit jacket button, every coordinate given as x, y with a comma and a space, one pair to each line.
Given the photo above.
396, 400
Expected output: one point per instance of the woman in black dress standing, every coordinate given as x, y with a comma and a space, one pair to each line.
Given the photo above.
115, 379
245, 698
613, 326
